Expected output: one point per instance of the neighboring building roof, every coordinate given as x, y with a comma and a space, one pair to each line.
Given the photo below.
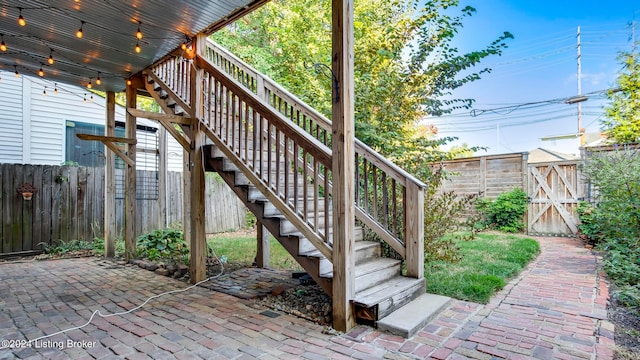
540, 155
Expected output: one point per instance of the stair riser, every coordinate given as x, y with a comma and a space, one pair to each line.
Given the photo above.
369, 280
366, 254
287, 228
305, 246
229, 166
271, 210
326, 267
256, 195
392, 304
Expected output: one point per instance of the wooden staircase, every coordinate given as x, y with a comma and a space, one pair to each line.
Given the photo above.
272, 150
380, 286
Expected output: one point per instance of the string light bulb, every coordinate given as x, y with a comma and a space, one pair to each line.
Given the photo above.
128, 82
85, 98
79, 33
55, 88
139, 33
3, 45
44, 92
41, 72
138, 49
183, 46
98, 81
91, 98
89, 84
16, 69
50, 59
21, 20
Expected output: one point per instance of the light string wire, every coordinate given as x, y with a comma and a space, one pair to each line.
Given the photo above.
60, 52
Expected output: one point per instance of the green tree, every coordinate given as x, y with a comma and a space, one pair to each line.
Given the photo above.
405, 63
622, 122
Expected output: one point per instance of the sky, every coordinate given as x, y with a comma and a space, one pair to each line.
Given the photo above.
540, 67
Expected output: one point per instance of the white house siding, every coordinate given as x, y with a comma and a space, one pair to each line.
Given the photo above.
34, 125
174, 155
10, 118
50, 113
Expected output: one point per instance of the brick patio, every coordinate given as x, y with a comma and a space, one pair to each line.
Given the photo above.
555, 309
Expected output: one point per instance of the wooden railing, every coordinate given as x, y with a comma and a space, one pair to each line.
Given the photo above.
175, 73
290, 167
388, 199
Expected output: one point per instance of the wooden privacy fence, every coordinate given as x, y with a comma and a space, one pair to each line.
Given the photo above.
554, 189
69, 204
489, 175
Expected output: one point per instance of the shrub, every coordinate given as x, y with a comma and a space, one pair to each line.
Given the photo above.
166, 244
505, 213
589, 226
98, 246
63, 247
614, 177
615, 218
442, 216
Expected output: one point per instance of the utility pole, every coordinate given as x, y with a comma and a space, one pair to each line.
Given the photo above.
581, 131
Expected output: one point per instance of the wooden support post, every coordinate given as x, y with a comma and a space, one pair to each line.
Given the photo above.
343, 167
263, 256
197, 240
186, 199
130, 178
414, 230
162, 177
110, 180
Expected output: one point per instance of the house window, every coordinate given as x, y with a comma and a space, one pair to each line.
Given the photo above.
83, 152
92, 154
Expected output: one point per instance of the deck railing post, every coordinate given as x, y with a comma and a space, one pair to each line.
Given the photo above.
414, 230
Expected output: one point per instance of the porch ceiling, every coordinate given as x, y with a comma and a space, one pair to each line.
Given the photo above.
107, 47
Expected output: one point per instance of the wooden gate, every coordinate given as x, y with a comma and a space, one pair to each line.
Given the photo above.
554, 190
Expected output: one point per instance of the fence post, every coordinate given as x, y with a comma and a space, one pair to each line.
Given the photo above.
525, 187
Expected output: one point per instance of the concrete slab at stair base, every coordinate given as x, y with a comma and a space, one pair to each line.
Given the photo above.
412, 317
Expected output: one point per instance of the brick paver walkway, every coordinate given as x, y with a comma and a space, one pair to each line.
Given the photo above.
555, 309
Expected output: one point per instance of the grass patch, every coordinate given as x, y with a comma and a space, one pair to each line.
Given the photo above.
242, 249
488, 262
